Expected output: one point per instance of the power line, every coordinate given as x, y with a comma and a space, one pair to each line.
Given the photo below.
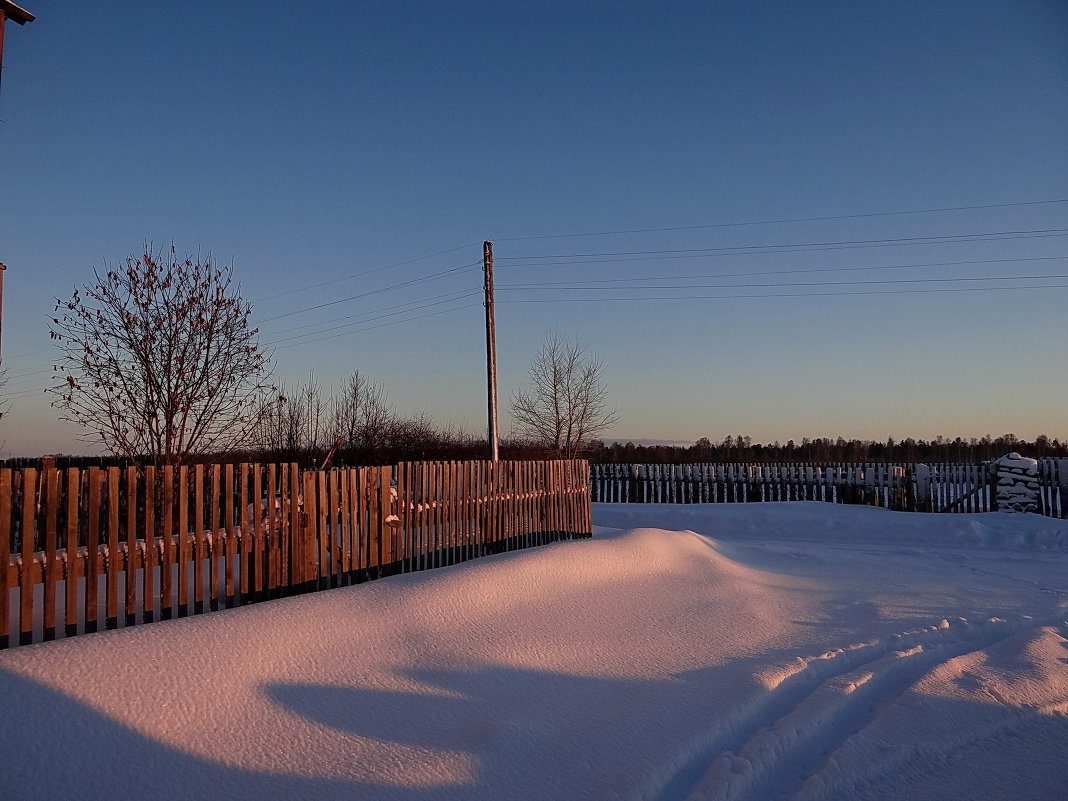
792, 294
448, 295
802, 283
25, 393
412, 282
363, 273
785, 220
983, 236
381, 325
24, 374
23, 355
9, 389
377, 317
784, 272
769, 251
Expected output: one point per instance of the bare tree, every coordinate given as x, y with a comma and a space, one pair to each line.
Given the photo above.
158, 359
292, 423
362, 416
566, 403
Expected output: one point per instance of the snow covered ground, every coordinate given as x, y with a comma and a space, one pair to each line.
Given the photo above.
756, 651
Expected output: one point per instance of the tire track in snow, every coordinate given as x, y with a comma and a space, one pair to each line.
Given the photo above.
922, 761
813, 706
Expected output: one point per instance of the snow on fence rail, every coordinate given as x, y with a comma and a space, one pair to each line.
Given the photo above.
111, 547
936, 487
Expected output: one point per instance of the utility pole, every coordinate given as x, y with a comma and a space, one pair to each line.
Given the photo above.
491, 347
3, 269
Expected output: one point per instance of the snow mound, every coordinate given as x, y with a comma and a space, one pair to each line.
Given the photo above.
802, 651
812, 521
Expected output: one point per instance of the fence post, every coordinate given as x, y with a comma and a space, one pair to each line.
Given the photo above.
921, 475
5, 555
1062, 480
308, 539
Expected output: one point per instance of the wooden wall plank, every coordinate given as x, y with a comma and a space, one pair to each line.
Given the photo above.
51, 564
70, 555
200, 545
323, 530
111, 554
5, 556
296, 552
344, 525
358, 510
133, 556
418, 493
27, 528
92, 571
216, 536
271, 536
258, 542
309, 527
148, 574
169, 559
437, 509
184, 552
245, 535
449, 520
398, 507
334, 534
282, 530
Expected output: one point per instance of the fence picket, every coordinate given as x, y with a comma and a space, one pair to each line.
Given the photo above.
6, 566
71, 562
183, 541
256, 535
50, 576
92, 572
132, 554
199, 541
245, 535
215, 535
329, 491
168, 563
111, 553
148, 593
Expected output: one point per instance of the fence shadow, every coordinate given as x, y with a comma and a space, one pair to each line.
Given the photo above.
599, 730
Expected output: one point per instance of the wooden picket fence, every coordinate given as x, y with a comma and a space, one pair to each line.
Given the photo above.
119, 547
880, 485
936, 487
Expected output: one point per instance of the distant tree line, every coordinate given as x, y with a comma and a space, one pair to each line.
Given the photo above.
741, 448
314, 424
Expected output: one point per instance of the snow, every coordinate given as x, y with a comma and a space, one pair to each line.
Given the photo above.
734, 651
1021, 462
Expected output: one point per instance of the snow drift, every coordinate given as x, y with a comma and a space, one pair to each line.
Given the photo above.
806, 651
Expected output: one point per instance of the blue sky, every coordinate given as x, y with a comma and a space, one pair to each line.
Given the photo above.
317, 142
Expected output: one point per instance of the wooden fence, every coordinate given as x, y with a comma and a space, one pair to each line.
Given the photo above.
935, 487
118, 547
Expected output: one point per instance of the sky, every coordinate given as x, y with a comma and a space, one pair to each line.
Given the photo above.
773, 167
